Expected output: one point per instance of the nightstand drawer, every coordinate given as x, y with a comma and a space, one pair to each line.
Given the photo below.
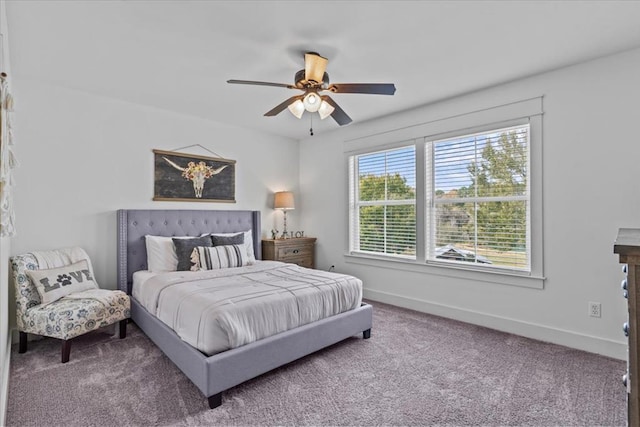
286, 253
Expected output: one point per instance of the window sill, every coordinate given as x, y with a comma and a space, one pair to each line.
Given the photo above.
498, 277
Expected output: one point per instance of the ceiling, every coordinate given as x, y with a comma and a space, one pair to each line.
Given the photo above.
178, 55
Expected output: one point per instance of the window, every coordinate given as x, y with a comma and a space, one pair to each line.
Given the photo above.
477, 196
463, 201
383, 202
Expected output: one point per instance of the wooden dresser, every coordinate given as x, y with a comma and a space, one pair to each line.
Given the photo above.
300, 250
627, 246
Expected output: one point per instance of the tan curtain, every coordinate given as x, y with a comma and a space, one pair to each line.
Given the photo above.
7, 161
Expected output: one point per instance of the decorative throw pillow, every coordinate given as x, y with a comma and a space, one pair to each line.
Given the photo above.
212, 258
55, 283
248, 242
184, 247
234, 239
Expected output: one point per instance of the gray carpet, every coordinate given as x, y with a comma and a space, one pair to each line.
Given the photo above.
416, 369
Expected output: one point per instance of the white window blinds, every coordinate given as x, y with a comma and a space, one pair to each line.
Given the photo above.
478, 199
383, 202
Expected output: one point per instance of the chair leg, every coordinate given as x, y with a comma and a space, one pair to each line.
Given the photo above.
123, 328
66, 350
23, 342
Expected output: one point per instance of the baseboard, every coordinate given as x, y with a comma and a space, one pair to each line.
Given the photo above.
4, 381
606, 347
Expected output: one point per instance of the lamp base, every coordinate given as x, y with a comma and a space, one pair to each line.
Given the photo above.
285, 234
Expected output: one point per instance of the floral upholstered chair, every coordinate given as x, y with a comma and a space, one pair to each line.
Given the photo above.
63, 302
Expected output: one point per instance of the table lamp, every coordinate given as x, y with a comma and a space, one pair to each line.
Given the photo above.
283, 200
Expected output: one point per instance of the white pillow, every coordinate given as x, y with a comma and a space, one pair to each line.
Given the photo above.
55, 283
161, 253
248, 243
216, 257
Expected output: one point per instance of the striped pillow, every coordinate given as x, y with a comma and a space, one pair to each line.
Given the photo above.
212, 258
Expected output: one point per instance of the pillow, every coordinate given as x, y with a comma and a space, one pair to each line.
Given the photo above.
235, 239
215, 257
55, 283
248, 243
161, 253
184, 247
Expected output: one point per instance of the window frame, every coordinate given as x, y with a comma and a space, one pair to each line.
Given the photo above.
355, 203
432, 201
481, 120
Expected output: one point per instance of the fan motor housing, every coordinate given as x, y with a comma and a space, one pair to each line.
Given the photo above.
301, 83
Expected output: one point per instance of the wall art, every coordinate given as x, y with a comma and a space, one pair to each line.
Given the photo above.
193, 178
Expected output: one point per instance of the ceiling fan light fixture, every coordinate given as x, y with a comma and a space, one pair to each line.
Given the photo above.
312, 102
296, 108
325, 109
312, 81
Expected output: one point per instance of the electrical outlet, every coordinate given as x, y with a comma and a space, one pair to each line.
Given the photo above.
595, 309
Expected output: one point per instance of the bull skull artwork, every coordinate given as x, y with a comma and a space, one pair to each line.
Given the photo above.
197, 173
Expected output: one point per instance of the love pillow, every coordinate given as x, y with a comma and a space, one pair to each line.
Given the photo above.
55, 283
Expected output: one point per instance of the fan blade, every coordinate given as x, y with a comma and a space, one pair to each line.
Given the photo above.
280, 107
338, 114
370, 88
314, 67
251, 82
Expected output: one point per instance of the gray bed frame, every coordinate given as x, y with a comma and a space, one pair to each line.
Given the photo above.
214, 374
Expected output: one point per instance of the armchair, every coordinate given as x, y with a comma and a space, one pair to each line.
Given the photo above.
67, 317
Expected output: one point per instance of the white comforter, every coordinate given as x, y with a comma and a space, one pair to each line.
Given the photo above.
221, 309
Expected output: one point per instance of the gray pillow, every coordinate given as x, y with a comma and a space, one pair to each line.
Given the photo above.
236, 239
184, 247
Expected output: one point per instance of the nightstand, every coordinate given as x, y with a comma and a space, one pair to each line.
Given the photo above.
300, 250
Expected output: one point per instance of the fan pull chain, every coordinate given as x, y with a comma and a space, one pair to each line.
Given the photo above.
311, 128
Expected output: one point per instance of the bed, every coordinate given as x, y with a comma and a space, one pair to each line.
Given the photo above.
219, 372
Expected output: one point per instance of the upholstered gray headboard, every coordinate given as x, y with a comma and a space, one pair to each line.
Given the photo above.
134, 224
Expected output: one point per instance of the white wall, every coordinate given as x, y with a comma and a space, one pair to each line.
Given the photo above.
83, 157
591, 180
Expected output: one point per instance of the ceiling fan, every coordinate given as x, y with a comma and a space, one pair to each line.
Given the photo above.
312, 81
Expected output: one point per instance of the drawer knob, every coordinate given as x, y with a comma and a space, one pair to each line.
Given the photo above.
295, 251
623, 285
624, 268
625, 329
624, 380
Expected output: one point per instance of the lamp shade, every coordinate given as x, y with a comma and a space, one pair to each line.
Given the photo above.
283, 200
297, 108
325, 109
312, 102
